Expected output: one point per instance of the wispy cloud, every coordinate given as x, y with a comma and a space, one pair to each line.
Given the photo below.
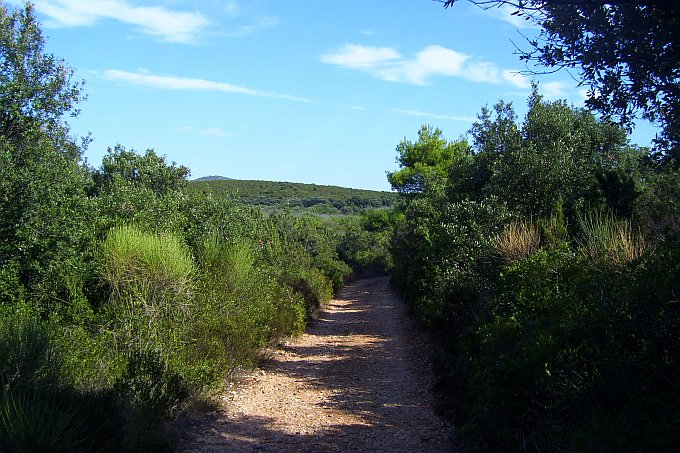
387, 63
214, 132
147, 79
516, 78
359, 107
166, 24
257, 26
371, 59
435, 116
505, 12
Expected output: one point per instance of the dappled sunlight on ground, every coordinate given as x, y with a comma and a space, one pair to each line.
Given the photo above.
357, 381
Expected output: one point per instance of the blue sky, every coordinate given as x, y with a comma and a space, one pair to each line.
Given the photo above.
297, 90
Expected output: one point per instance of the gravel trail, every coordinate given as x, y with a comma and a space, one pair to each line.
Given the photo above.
358, 380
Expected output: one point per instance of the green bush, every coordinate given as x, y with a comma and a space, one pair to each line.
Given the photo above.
289, 313
150, 279
153, 391
314, 287
40, 410
554, 331
29, 357
365, 242
122, 294
232, 311
152, 269
578, 355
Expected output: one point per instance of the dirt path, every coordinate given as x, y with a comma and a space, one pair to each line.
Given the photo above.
357, 381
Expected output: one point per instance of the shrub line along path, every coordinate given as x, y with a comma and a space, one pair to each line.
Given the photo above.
358, 380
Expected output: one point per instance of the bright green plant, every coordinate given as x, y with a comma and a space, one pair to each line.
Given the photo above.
424, 164
231, 314
151, 271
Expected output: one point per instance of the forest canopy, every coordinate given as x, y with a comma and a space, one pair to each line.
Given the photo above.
627, 52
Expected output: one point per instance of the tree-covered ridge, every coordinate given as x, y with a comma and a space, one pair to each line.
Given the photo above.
296, 196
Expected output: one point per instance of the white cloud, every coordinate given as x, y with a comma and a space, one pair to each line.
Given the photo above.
505, 12
257, 26
159, 21
359, 107
435, 116
554, 90
432, 61
516, 78
214, 132
365, 58
483, 72
147, 79
387, 63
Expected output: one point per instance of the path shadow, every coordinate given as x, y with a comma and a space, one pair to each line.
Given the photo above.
371, 364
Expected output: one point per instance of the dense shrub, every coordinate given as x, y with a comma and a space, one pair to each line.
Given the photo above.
234, 311
40, 410
153, 391
122, 294
150, 281
43, 230
365, 242
554, 316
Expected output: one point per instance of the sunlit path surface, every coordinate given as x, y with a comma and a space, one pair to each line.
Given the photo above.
357, 381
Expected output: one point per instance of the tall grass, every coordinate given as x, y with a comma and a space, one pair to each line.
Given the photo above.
28, 356
603, 237
517, 241
154, 270
150, 277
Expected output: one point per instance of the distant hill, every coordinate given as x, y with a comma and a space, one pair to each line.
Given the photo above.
298, 196
213, 178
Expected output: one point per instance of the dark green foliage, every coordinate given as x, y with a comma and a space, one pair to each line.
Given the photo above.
154, 391
555, 316
365, 242
149, 171
123, 295
626, 53
36, 87
557, 153
42, 201
39, 411
43, 226
135, 188
658, 207
28, 356
575, 348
